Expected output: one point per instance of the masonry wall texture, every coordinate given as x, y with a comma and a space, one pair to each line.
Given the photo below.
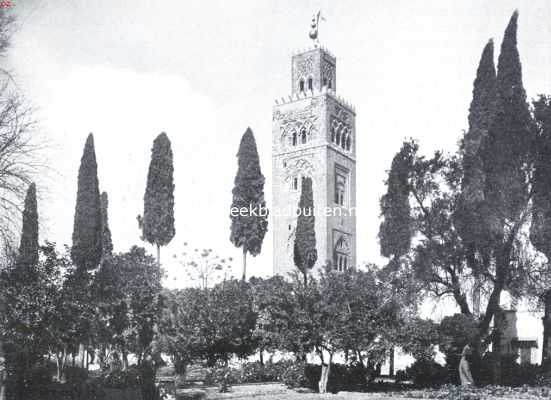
314, 135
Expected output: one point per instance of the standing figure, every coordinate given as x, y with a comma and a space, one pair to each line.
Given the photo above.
464, 369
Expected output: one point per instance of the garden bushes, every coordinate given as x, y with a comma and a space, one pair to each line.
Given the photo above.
426, 373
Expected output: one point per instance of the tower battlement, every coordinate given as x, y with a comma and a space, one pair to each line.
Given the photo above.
313, 93
312, 48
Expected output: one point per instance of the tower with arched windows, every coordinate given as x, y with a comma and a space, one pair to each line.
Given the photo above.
314, 135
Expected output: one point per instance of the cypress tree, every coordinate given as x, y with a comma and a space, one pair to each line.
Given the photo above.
470, 212
395, 230
506, 152
28, 248
107, 243
540, 229
158, 220
248, 231
510, 137
87, 231
305, 253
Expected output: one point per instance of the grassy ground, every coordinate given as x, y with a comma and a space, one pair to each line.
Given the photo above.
279, 392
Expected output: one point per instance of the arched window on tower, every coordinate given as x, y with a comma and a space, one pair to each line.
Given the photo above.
341, 254
344, 138
303, 137
294, 185
324, 81
338, 137
310, 84
301, 85
294, 139
330, 84
333, 133
348, 143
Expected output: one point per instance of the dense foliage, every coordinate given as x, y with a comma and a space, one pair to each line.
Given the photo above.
211, 324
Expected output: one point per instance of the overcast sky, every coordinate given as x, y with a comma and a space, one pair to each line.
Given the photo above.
203, 71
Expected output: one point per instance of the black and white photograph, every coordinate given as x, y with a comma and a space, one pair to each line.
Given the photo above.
275, 199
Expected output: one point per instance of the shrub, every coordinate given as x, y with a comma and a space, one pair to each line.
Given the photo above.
402, 375
294, 376
344, 376
427, 373
222, 376
253, 372
511, 373
274, 371
129, 378
75, 374
40, 375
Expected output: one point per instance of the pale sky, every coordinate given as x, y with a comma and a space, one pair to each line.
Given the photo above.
203, 71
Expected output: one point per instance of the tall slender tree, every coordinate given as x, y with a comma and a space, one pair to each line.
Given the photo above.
395, 230
471, 205
107, 242
248, 228
506, 153
87, 229
28, 248
305, 253
540, 229
158, 219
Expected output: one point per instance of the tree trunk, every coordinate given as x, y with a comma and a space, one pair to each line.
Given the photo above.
158, 255
546, 353
305, 273
325, 369
391, 362
244, 277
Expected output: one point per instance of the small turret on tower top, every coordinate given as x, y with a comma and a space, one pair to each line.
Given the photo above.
313, 70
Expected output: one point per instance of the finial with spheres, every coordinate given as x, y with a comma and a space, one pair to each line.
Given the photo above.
314, 28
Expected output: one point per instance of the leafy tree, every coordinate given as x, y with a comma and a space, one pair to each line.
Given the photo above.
158, 218
179, 326
107, 242
230, 321
31, 314
87, 229
127, 290
453, 247
210, 324
540, 229
283, 324
305, 253
248, 228
418, 337
276, 304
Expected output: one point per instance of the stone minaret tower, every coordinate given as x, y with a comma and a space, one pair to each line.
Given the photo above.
314, 135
